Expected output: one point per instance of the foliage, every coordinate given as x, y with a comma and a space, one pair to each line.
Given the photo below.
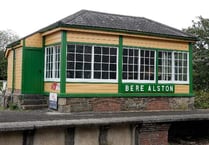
201, 100
200, 28
3, 66
6, 37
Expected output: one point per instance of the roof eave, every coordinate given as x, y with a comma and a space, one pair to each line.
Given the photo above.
192, 39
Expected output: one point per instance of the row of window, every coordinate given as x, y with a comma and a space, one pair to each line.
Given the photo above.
100, 63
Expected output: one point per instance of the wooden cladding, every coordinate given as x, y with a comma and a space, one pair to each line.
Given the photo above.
48, 88
92, 38
53, 38
154, 43
18, 68
34, 40
9, 69
91, 88
182, 89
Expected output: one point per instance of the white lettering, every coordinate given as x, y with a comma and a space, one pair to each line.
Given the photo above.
137, 88
126, 88
149, 89
167, 88
153, 88
132, 88
158, 88
171, 89
142, 88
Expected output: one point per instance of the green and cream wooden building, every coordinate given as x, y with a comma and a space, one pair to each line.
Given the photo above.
104, 62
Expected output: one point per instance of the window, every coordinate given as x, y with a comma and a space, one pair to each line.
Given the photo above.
130, 64
138, 64
52, 63
91, 63
147, 65
181, 66
165, 66
79, 61
173, 67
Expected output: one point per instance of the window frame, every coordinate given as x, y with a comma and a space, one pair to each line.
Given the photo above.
173, 81
54, 63
139, 80
92, 79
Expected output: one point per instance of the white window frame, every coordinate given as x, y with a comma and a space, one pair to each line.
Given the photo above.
54, 63
173, 70
92, 67
139, 67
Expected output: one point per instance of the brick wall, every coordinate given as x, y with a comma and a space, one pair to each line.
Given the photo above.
153, 134
124, 104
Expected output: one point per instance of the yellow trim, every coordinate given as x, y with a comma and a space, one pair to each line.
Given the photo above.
181, 89
91, 88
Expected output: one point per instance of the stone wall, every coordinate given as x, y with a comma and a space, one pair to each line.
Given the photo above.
117, 134
125, 104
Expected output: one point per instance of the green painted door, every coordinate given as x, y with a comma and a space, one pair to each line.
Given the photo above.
32, 71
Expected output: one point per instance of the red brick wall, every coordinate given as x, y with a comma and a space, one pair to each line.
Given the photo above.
153, 134
106, 104
158, 104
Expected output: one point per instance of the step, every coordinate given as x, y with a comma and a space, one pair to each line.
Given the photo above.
33, 101
33, 96
33, 107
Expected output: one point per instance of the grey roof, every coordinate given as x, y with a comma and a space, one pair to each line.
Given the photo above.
99, 20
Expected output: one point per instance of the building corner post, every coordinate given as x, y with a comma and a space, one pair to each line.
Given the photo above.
63, 62
190, 69
120, 65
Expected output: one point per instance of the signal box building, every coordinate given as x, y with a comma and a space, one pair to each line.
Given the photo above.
96, 61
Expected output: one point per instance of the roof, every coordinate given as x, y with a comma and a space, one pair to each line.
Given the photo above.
114, 22
117, 23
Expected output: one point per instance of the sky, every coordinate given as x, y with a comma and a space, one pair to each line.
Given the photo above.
27, 16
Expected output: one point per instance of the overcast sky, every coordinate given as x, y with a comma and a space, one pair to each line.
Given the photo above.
27, 16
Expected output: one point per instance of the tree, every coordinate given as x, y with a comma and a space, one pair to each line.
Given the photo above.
200, 28
6, 37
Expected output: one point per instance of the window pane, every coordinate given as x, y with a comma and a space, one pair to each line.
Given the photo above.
97, 50
97, 58
97, 75
104, 75
87, 58
87, 74
87, 66
88, 49
78, 74
97, 66
79, 49
71, 48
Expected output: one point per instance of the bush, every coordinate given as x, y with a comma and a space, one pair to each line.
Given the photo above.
201, 100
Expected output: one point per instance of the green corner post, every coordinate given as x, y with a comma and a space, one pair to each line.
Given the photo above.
190, 69
156, 69
63, 62
43, 63
13, 71
120, 65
